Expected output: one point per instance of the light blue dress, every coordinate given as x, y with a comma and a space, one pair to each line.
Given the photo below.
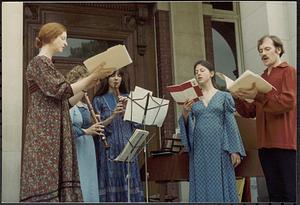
111, 174
86, 156
210, 136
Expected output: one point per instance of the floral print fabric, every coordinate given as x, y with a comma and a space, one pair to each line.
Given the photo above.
49, 164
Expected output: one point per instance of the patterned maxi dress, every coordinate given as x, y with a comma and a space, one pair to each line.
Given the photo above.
49, 169
210, 136
112, 175
85, 148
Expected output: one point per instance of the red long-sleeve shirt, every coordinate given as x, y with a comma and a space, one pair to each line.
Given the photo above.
275, 111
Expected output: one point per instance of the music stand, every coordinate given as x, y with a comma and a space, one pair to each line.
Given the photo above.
172, 144
129, 152
145, 109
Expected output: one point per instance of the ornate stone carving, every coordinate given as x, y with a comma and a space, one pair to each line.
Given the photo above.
129, 22
119, 6
142, 17
31, 12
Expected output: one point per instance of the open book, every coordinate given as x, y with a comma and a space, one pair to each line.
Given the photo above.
187, 90
246, 81
115, 57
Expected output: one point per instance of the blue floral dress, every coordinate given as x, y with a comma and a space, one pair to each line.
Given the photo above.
210, 135
111, 174
86, 155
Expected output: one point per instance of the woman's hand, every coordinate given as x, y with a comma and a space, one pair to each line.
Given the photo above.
101, 72
119, 109
123, 100
235, 159
187, 107
95, 129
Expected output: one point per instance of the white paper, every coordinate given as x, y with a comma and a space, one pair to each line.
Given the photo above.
137, 105
156, 111
184, 91
115, 57
246, 81
141, 91
135, 142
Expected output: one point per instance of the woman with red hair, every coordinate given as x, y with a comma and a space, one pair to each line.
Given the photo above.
49, 166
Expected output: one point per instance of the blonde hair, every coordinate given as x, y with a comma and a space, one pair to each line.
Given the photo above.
49, 32
79, 71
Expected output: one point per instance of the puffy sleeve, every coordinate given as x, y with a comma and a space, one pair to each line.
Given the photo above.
232, 141
76, 122
52, 83
186, 132
98, 104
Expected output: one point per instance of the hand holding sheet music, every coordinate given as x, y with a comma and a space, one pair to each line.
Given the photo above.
184, 91
114, 58
245, 81
102, 72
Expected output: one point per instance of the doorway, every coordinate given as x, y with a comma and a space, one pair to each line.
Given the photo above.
91, 29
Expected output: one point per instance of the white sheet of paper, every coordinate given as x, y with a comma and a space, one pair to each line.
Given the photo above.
182, 95
136, 141
229, 83
245, 81
136, 105
157, 111
115, 57
141, 91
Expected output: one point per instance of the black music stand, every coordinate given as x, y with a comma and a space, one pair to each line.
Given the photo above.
146, 110
130, 151
172, 144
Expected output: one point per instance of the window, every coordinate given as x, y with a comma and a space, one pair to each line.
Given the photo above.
85, 48
222, 5
223, 46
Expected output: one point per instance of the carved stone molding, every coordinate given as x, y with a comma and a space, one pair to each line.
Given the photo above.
119, 6
31, 12
129, 22
142, 17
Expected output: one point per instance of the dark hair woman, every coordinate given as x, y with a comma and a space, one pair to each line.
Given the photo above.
209, 131
109, 103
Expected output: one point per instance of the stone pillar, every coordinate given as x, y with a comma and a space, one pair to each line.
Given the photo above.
12, 91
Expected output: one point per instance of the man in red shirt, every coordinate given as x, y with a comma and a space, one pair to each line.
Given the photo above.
275, 114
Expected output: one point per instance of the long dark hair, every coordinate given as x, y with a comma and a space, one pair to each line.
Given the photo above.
210, 67
104, 85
